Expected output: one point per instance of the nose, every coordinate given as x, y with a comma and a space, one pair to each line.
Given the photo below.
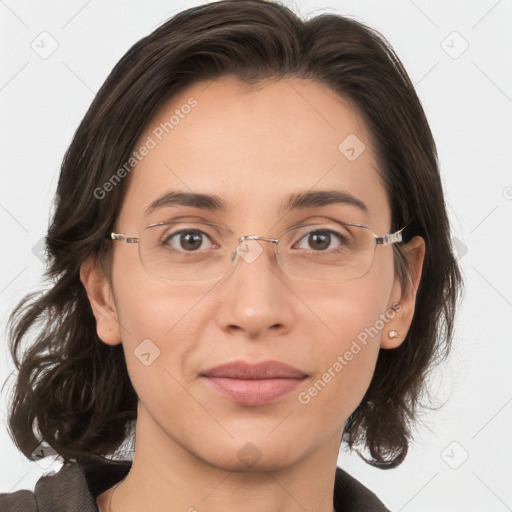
255, 299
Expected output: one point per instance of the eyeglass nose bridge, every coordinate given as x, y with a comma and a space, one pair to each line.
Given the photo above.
252, 237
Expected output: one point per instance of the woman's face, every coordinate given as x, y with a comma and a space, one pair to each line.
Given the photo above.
254, 150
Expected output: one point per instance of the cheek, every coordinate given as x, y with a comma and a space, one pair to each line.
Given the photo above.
158, 322
146, 306
352, 310
352, 318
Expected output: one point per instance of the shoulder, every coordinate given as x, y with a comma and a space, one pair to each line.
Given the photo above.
73, 488
19, 501
351, 495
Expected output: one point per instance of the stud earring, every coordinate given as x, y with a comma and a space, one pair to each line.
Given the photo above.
393, 334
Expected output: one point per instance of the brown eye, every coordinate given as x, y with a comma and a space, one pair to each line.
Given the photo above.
189, 240
320, 240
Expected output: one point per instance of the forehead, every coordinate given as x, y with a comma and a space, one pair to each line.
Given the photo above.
253, 148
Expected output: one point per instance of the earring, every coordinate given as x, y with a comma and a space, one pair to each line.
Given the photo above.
393, 334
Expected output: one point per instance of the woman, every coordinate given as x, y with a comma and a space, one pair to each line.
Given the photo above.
248, 221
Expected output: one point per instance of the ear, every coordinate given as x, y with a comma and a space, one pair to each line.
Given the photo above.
404, 296
102, 303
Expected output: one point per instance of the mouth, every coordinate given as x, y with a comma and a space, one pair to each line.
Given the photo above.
253, 391
254, 384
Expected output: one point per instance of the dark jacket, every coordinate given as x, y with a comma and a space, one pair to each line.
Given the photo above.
74, 488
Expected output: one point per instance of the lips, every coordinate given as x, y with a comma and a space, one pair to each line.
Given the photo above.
254, 384
264, 370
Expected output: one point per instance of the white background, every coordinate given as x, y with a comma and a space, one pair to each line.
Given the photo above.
468, 101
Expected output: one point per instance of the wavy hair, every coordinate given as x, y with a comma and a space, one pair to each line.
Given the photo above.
72, 390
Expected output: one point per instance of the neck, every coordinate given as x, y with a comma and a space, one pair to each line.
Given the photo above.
166, 474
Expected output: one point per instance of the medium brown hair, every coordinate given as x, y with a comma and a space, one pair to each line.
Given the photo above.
73, 390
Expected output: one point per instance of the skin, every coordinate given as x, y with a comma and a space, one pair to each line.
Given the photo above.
252, 148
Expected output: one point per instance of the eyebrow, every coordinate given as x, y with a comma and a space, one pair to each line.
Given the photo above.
298, 201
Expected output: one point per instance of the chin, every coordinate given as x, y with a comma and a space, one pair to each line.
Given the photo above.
247, 456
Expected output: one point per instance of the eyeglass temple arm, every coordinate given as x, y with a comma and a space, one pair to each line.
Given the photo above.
390, 238
122, 238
